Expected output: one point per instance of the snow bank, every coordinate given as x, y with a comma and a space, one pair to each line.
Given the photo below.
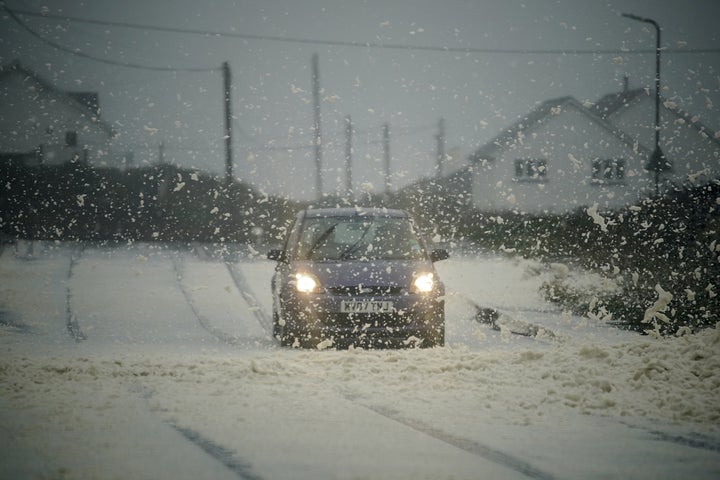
673, 379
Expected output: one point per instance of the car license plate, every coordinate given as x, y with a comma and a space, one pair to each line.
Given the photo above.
348, 306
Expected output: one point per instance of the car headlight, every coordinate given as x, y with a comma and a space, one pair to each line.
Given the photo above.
305, 283
424, 283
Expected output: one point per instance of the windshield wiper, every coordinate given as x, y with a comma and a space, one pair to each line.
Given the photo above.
351, 249
320, 240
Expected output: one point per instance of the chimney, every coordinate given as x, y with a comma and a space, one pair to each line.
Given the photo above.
626, 84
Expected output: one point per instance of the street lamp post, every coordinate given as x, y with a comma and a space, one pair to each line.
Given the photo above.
657, 162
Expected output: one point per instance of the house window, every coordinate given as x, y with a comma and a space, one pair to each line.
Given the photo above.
531, 170
71, 139
608, 171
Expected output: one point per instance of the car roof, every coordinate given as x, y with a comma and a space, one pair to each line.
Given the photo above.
353, 212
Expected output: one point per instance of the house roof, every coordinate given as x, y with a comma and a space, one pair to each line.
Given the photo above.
536, 118
612, 103
90, 99
85, 103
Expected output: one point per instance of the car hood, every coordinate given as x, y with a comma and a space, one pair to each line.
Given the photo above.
368, 273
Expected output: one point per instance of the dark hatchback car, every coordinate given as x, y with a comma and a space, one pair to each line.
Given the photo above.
357, 277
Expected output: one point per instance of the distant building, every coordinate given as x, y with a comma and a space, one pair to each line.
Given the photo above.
42, 125
560, 157
565, 155
692, 149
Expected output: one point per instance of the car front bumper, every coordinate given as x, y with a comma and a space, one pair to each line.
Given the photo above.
415, 319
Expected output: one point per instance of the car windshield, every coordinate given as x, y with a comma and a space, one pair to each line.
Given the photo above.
360, 238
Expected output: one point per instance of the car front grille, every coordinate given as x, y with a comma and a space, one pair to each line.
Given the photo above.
363, 291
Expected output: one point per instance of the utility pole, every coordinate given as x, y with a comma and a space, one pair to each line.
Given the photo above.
440, 137
386, 150
227, 87
316, 126
348, 155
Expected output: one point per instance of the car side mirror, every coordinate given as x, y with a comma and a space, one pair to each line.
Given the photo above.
439, 254
277, 255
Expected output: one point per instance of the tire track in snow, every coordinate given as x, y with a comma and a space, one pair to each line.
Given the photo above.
244, 287
692, 440
219, 453
223, 455
10, 320
73, 326
202, 320
471, 446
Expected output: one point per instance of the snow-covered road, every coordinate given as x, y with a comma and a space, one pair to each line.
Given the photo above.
145, 361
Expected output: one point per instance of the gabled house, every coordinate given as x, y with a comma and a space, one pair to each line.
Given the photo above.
560, 157
42, 125
692, 149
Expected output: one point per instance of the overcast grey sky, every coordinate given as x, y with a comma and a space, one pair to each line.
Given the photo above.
477, 92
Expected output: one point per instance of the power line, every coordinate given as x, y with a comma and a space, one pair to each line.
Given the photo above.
275, 145
79, 53
389, 46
